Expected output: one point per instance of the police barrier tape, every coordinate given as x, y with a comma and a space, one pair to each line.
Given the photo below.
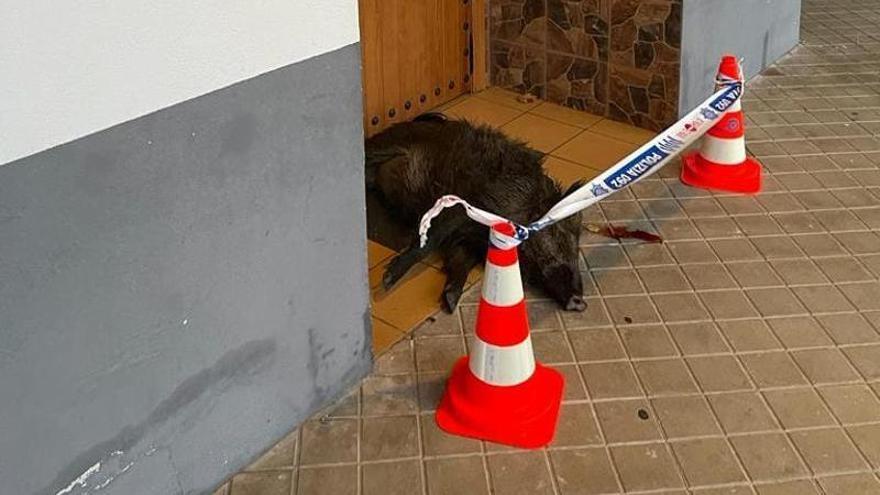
640, 164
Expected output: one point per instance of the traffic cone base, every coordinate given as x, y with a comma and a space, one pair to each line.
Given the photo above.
523, 415
743, 178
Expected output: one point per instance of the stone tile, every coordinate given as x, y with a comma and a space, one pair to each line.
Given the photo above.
848, 328
646, 467
596, 345
819, 245
341, 480
617, 282
772, 369
865, 483
728, 304
259, 483
551, 348
389, 395
843, 269
754, 274
768, 456
775, 302
621, 421
430, 389
610, 380
594, 316
683, 417
583, 472
718, 373
852, 403
707, 462
822, 299
795, 272
665, 377
398, 359
438, 354
389, 438
333, 440
867, 438
742, 412
796, 487
576, 427
866, 359
626, 310
799, 408
663, 279
865, 296
692, 252
521, 473
698, 338
704, 277
828, 451
392, 478
574, 387
437, 442
734, 250
824, 366
647, 341
456, 476
749, 335
798, 332
679, 307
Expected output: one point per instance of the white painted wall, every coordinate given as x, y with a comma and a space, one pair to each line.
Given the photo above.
69, 68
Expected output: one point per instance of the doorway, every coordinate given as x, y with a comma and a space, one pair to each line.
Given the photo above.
418, 55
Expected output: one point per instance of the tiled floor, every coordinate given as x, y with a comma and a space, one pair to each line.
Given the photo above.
580, 145
751, 337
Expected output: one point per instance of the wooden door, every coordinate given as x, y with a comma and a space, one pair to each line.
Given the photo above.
416, 56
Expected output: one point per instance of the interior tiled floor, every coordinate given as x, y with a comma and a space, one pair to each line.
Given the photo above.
580, 145
751, 336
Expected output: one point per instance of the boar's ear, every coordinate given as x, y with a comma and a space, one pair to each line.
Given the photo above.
574, 187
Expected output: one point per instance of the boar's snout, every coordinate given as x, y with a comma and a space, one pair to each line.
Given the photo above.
564, 284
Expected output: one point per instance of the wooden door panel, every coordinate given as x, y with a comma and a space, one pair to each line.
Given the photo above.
415, 57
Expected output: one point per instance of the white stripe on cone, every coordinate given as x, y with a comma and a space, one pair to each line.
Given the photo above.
502, 366
724, 151
502, 285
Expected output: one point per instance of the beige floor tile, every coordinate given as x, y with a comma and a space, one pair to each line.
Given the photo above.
566, 115
412, 300
566, 172
773, 369
718, 374
665, 377
648, 341
596, 345
799, 408
482, 111
594, 150
389, 395
610, 380
622, 132
852, 403
622, 422
377, 253
508, 98
795, 487
851, 484
576, 427
540, 133
384, 336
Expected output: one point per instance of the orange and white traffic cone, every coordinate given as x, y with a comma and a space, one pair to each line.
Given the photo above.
722, 162
500, 393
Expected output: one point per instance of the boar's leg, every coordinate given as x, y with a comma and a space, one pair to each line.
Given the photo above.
458, 261
443, 226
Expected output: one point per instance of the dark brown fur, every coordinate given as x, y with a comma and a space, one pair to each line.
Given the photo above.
412, 164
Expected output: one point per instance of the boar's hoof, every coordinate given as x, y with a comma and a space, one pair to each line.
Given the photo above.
576, 303
450, 299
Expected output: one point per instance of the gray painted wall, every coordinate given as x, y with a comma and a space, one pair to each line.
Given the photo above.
760, 31
179, 291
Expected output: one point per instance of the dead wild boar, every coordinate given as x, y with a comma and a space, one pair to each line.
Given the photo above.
412, 164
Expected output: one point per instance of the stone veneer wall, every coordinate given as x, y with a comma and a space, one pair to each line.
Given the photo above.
617, 58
